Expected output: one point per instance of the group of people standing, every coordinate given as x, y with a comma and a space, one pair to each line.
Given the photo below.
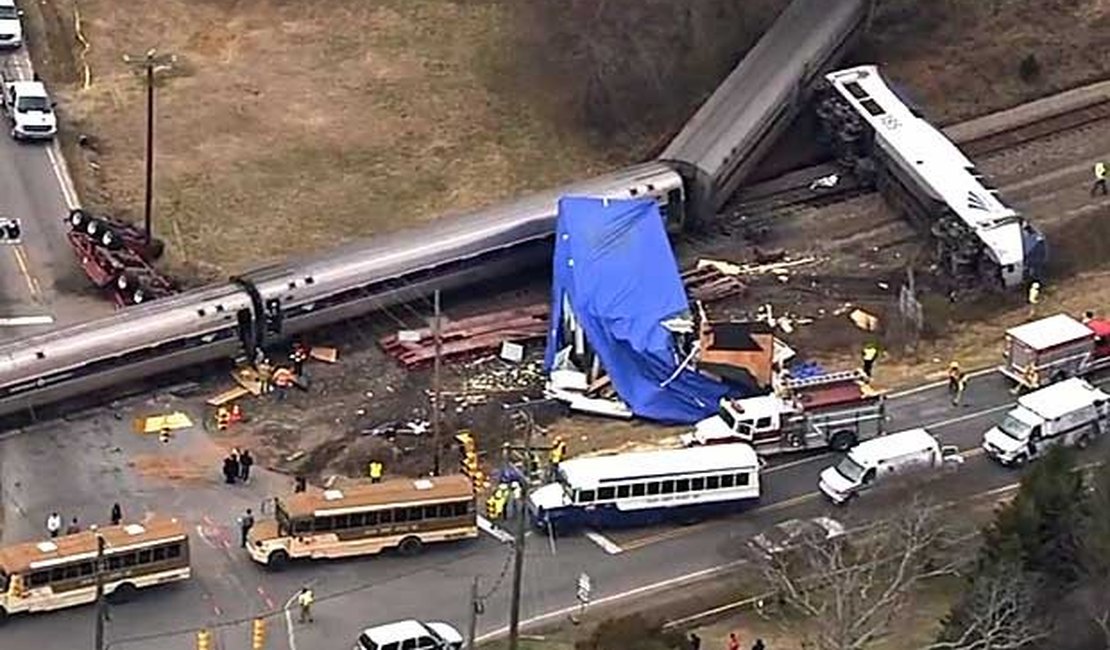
54, 522
237, 466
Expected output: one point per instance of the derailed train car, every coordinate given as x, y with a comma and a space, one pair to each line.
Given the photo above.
980, 241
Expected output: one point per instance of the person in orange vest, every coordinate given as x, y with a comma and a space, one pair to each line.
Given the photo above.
283, 381
236, 414
223, 418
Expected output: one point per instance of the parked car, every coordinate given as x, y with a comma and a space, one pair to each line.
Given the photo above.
11, 29
410, 635
29, 110
793, 533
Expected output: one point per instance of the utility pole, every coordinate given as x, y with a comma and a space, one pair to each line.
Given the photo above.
521, 528
151, 61
101, 606
475, 609
437, 408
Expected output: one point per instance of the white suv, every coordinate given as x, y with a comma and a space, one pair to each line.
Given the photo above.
410, 635
30, 111
11, 30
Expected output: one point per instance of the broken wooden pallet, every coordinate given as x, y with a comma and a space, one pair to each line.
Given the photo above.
468, 335
709, 284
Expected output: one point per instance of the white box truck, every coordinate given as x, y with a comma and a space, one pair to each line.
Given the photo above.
1072, 412
869, 462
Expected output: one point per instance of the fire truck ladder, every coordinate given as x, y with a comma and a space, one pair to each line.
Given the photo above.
822, 380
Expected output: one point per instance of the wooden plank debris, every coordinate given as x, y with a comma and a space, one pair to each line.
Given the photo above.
468, 335
229, 395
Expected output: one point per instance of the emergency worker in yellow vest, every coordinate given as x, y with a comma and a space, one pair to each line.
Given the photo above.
1100, 179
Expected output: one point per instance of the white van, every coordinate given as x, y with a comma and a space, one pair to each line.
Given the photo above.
884, 456
1071, 412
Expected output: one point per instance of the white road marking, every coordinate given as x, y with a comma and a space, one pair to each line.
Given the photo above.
937, 384
61, 173
497, 533
18, 321
606, 544
289, 623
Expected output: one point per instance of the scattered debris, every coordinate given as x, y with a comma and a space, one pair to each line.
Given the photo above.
825, 182
325, 354
863, 320
159, 423
709, 283
229, 395
469, 335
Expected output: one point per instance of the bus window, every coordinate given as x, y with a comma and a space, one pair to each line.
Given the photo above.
323, 524
668, 486
726, 481
342, 521
585, 496
712, 482
697, 484
430, 512
741, 479
462, 509
606, 493
653, 488
416, 513
302, 526
682, 485
3, 583
400, 515
638, 489
173, 550
623, 491
39, 578
385, 516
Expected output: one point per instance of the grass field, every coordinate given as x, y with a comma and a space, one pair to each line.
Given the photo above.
287, 127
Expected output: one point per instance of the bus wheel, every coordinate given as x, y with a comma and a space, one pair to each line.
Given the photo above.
277, 560
842, 441
123, 593
410, 546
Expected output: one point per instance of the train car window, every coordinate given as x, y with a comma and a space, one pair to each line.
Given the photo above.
633, 192
40, 354
200, 312
857, 91
651, 188
871, 106
219, 309
293, 285
310, 280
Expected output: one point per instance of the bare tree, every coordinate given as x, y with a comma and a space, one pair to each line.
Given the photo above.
853, 590
1000, 613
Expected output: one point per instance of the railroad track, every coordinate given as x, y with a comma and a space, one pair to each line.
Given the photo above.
793, 189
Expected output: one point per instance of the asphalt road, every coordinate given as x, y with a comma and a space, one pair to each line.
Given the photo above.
42, 285
80, 467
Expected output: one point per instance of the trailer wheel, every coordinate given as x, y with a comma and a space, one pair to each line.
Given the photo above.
842, 441
109, 240
77, 218
138, 297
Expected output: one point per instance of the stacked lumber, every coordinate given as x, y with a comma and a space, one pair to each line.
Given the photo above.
468, 336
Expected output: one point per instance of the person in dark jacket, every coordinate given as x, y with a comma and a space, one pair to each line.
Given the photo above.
246, 461
231, 469
117, 514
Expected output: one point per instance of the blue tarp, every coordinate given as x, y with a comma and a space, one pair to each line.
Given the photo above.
616, 270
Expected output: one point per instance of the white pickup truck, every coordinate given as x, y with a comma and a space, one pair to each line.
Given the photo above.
29, 110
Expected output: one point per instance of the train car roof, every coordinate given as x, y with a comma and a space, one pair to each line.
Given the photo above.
30, 556
397, 491
641, 465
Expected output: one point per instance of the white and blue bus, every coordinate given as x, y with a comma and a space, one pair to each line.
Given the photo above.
648, 487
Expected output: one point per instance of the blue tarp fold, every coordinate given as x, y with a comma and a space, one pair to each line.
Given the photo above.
614, 267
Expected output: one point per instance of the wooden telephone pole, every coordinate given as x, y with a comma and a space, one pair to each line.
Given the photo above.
151, 62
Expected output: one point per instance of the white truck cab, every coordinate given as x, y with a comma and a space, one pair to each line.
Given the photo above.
878, 458
1071, 412
11, 28
30, 110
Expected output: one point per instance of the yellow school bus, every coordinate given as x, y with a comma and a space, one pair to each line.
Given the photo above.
365, 519
61, 572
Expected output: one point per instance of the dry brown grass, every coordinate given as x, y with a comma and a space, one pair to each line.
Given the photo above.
287, 127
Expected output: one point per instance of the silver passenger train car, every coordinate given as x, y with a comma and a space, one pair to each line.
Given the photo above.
730, 133
276, 302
